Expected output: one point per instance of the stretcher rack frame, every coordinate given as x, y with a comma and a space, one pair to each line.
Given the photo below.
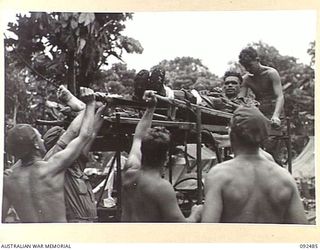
181, 125
286, 137
197, 126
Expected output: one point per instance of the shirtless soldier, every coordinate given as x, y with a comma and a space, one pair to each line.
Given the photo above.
250, 188
146, 196
35, 189
79, 197
264, 82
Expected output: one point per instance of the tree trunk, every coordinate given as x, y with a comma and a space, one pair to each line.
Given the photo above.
15, 110
72, 85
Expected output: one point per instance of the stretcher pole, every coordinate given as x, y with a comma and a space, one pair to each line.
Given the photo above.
119, 179
107, 178
199, 170
289, 145
170, 165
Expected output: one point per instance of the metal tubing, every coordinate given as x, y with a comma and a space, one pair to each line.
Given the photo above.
107, 178
119, 180
199, 170
289, 146
170, 165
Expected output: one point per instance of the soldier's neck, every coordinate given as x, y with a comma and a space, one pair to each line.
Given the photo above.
241, 150
261, 69
31, 159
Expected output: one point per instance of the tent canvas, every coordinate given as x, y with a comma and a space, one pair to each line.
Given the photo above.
304, 166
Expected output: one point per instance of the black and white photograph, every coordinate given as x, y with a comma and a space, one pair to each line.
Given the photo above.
159, 117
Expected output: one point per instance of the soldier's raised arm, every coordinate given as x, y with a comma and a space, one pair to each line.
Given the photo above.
66, 157
134, 158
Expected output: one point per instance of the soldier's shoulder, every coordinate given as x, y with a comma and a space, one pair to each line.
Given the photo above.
271, 70
246, 78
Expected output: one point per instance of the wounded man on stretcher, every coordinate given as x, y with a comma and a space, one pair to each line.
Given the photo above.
215, 99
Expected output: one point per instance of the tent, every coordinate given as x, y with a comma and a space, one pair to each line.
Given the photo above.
303, 166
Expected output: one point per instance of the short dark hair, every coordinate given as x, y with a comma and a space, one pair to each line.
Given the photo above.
20, 140
249, 126
155, 146
232, 73
247, 55
242, 137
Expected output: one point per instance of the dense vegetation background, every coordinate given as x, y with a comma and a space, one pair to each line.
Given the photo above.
55, 48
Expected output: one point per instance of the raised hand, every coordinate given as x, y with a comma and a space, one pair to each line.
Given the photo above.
275, 122
87, 95
150, 98
67, 98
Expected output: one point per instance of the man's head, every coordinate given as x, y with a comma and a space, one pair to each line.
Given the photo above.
248, 127
249, 59
23, 141
231, 83
155, 147
51, 136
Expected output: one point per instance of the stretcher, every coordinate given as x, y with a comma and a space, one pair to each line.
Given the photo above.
187, 123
